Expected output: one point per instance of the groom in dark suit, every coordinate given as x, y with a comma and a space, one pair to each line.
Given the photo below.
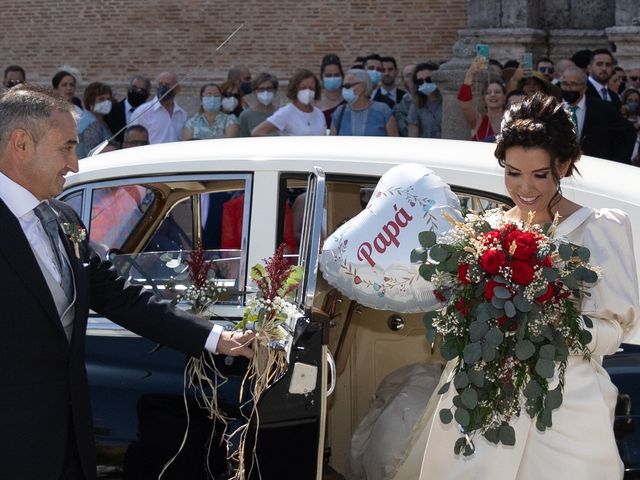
48, 286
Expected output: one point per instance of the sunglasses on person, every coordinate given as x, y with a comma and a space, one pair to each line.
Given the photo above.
548, 70
420, 81
350, 85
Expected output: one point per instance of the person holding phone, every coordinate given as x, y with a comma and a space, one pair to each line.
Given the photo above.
483, 120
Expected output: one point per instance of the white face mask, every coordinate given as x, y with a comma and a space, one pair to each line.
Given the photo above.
229, 104
306, 96
103, 107
265, 98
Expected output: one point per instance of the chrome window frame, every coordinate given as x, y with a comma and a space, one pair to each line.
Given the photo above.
99, 325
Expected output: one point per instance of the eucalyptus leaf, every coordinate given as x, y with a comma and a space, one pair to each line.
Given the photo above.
589, 276
547, 352
427, 239
587, 321
476, 377
494, 337
585, 337
492, 435
509, 309
483, 312
532, 390
459, 445
550, 274
472, 352
583, 253
461, 380
553, 399
446, 416
469, 398
419, 255
448, 350
525, 350
502, 292
488, 352
427, 270
522, 304
438, 253
444, 388
545, 368
477, 330
497, 303
462, 417
507, 435
570, 281
565, 251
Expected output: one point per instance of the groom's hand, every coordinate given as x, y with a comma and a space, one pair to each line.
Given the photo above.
236, 343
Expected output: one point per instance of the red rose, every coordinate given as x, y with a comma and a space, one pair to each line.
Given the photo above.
439, 296
547, 262
492, 260
492, 237
526, 244
547, 295
463, 271
521, 272
461, 306
488, 292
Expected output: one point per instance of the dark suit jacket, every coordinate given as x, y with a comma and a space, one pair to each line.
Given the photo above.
380, 97
606, 133
43, 380
116, 119
615, 99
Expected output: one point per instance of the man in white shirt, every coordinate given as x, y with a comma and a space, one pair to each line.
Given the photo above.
388, 92
162, 116
600, 69
49, 285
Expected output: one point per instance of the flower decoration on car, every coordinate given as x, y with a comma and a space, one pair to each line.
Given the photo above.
510, 319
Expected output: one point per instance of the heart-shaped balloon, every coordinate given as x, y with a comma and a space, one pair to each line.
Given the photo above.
368, 258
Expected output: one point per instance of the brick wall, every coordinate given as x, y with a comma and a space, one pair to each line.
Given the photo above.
109, 40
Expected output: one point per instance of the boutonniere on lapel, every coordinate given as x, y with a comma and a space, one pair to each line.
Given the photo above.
76, 234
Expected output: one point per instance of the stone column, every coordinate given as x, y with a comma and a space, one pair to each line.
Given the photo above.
510, 28
625, 35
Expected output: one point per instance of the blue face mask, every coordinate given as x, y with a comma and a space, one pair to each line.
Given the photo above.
427, 88
349, 95
211, 104
375, 77
332, 83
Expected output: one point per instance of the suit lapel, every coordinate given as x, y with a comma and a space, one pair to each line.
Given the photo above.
15, 249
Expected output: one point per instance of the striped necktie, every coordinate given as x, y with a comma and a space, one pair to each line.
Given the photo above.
50, 224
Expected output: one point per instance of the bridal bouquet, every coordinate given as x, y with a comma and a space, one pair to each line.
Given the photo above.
510, 319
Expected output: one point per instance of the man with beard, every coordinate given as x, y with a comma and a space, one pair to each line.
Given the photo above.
600, 69
163, 118
601, 128
120, 114
387, 92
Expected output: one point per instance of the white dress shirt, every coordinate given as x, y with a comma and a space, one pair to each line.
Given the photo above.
162, 126
128, 111
21, 203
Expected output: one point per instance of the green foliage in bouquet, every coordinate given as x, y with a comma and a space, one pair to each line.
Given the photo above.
510, 319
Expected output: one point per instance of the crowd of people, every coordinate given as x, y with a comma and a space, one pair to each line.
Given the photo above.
363, 99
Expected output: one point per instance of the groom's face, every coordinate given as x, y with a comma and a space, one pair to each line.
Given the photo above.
50, 157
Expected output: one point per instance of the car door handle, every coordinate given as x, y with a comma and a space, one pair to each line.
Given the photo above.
332, 370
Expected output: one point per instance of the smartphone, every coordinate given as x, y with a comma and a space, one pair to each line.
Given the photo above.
482, 50
527, 63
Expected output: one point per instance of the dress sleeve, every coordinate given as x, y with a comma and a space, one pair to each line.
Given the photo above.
613, 301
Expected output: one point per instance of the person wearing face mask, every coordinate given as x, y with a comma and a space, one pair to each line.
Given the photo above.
425, 114
92, 128
374, 68
361, 116
300, 117
631, 111
163, 118
602, 130
483, 120
331, 75
265, 88
120, 115
232, 99
209, 121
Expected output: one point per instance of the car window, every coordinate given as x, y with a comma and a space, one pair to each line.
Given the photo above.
74, 200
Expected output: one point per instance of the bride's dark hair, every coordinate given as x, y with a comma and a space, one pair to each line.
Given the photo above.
541, 121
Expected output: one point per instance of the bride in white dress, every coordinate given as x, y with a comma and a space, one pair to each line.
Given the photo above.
537, 146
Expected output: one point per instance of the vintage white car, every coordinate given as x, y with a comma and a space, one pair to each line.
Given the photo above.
241, 198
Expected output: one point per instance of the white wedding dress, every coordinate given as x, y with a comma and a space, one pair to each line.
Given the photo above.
581, 443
